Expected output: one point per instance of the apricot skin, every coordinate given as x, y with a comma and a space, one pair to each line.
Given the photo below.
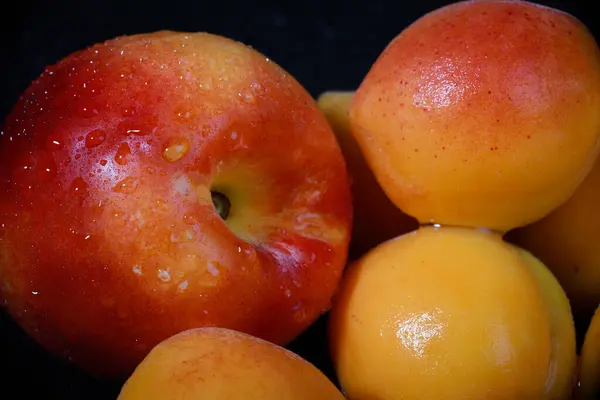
220, 364
376, 219
482, 113
451, 313
588, 387
567, 240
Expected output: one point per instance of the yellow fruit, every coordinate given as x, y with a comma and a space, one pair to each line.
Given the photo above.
221, 364
588, 387
567, 242
482, 113
376, 218
452, 313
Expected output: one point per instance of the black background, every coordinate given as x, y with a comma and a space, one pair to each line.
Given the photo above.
323, 44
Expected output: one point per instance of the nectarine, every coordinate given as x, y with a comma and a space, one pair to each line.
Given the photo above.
482, 113
452, 313
165, 181
221, 364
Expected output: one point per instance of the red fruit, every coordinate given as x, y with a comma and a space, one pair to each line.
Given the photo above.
113, 163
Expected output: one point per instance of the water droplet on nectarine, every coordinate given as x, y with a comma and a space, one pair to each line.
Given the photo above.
175, 149
95, 138
127, 186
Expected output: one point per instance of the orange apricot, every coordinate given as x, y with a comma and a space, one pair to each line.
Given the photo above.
452, 313
222, 364
482, 113
588, 386
376, 218
567, 240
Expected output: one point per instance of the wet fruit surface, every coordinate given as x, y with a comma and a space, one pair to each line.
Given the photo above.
110, 240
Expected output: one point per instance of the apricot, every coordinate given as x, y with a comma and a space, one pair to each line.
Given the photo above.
482, 113
588, 386
222, 364
376, 219
451, 313
567, 242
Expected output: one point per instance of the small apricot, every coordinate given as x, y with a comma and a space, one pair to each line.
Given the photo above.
222, 364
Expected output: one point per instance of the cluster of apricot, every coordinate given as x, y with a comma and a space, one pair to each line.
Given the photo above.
175, 209
480, 118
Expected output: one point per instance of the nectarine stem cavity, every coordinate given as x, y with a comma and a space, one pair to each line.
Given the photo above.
222, 204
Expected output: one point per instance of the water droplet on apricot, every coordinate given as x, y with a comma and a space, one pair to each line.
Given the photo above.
95, 138
103, 162
175, 149
127, 186
150, 170
122, 153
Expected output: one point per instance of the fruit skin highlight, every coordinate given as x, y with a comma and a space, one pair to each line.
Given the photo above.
452, 313
111, 161
214, 363
482, 113
567, 240
376, 219
588, 387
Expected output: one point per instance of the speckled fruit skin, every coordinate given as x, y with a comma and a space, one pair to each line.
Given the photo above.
376, 219
109, 240
452, 313
215, 363
482, 113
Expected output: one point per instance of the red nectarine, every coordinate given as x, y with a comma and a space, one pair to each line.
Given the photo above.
166, 181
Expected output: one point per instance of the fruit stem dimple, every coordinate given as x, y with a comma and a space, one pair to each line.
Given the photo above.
221, 203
